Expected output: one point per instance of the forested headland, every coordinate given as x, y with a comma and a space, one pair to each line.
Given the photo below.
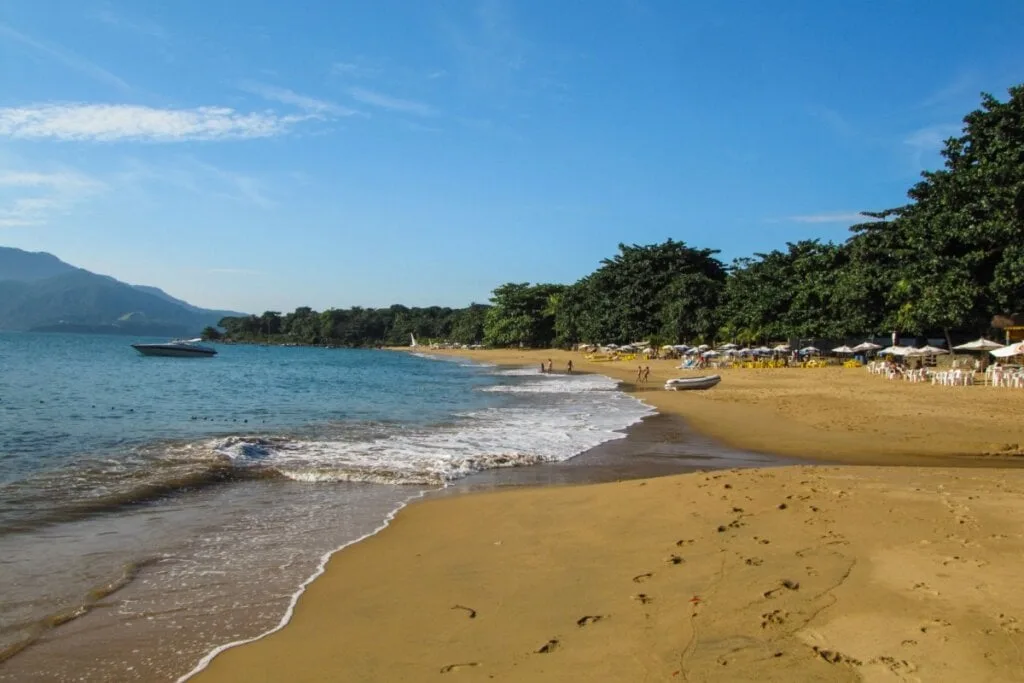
948, 261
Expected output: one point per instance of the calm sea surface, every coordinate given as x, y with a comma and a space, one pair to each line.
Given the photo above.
154, 508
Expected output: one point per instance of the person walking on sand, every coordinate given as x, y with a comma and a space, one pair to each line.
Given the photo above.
551, 366
647, 373
569, 366
639, 373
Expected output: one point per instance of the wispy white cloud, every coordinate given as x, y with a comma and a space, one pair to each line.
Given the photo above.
292, 98
930, 138
833, 217
65, 57
29, 197
390, 103
114, 122
354, 70
834, 120
200, 178
134, 24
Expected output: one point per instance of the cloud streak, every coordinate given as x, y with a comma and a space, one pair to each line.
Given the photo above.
40, 195
377, 99
833, 217
294, 99
65, 57
125, 122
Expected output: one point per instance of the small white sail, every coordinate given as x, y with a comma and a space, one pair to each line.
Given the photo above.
413, 338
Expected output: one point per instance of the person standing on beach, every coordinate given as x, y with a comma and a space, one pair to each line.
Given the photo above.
569, 366
639, 373
647, 373
542, 368
551, 366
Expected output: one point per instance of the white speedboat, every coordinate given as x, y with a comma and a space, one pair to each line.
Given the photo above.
692, 383
179, 348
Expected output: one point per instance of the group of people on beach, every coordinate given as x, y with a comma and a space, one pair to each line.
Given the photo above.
550, 367
643, 372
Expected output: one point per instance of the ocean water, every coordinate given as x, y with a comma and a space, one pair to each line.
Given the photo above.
152, 509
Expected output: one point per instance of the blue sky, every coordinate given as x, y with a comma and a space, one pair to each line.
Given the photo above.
261, 155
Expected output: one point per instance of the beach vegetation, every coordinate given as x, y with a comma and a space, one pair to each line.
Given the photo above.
950, 259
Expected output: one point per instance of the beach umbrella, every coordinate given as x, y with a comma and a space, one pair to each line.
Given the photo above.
728, 347
762, 350
746, 351
809, 350
842, 349
681, 348
980, 344
1007, 351
781, 348
710, 354
927, 351
896, 351
866, 346
703, 347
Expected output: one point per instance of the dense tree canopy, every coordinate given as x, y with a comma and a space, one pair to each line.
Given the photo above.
950, 259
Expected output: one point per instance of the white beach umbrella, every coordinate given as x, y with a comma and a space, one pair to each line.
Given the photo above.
703, 347
896, 351
746, 351
668, 347
980, 344
1016, 349
842, 349
928, 351
781, 348
762, 350
809, 350
710, 354
681, 348
866, 346
728, 347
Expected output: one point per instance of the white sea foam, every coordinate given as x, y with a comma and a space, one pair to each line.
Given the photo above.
578, 413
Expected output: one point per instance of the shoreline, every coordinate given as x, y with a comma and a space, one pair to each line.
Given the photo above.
828, 415
382, 596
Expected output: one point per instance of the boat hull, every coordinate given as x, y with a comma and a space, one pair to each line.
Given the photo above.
173, 351
693, 383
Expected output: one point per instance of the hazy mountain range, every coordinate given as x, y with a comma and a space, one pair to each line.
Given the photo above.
40, 292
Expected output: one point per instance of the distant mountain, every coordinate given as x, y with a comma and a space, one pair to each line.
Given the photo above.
38, 291
156, 291
29, 266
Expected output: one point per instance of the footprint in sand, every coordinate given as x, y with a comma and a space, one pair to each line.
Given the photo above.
685, 541
456, 667
643, 598
754, 561
925, 588
470, 612
897, 666
548, 647
640, 578
934, 625
774, 618
588, 620
675, 559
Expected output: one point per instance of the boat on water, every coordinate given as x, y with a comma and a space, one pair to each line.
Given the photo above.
693, 383
178, 348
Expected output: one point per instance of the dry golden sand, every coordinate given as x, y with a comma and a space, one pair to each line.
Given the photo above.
809, 573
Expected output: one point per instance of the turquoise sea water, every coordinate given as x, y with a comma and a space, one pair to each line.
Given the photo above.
158, 507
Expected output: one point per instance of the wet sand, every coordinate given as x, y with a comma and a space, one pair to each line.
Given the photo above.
809, 573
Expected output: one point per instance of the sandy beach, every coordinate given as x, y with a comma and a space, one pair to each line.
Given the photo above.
810, 573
